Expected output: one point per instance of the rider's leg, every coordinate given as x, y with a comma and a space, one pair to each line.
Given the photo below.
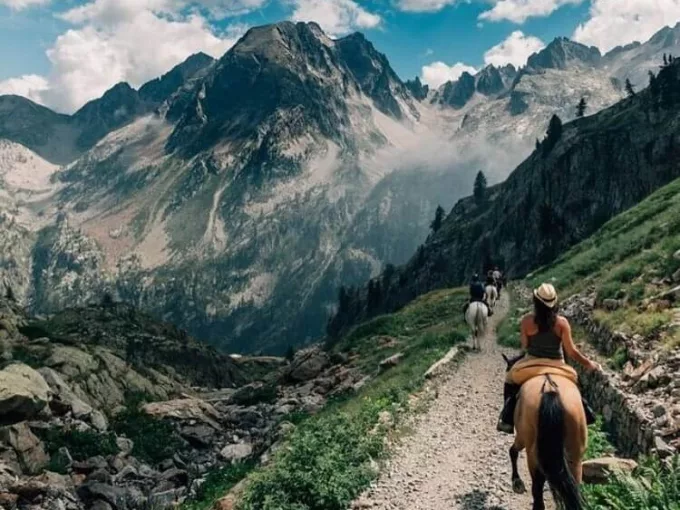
590, 414
506, 422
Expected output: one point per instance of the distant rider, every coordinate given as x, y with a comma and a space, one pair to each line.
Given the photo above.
478, 293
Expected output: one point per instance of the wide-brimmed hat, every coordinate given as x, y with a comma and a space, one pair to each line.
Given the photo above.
547, 295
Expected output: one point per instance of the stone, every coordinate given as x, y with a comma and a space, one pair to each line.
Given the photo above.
599, 471
392, 361
64, 399
28, 447
185, 409
178, 477
658, 410
306, 365
125, 445
90, 465
254, 393
676, 276
114, 496
23, 394
199, 436
99, 421
611, 304
663, 449
236, 452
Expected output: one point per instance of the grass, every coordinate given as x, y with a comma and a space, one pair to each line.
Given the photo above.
632, 258
508, 329
217, 484
330, 457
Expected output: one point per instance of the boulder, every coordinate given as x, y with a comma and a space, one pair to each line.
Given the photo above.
307, 364
185, 409
64, 399
199, 436
28, 447
392, 361
254, 393
599, 471
114, 496
236, 452
611, 304
23, 394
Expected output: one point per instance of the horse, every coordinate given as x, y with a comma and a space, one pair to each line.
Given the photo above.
476, 316
550, 424
491, 295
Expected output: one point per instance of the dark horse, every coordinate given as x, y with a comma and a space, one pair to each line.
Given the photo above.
550, 424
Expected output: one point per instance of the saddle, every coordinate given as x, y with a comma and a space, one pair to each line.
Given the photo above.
527, 369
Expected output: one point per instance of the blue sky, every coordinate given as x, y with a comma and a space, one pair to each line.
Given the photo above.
64, 52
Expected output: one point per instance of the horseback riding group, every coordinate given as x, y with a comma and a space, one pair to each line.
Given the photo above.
543, 406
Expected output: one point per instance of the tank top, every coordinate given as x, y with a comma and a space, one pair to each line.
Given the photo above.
545, 344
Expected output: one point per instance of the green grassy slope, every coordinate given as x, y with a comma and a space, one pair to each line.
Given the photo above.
631, 262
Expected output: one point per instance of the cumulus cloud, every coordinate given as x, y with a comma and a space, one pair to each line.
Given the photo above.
17, 5
122, 40
423, 5
438, 73
618, 22
518, 11
31, 86
335, 17
515, 50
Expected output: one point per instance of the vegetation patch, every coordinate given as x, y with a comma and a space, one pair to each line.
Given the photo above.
508, 329
217, 484
81, 445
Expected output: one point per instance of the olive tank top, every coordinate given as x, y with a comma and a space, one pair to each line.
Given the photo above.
545, 345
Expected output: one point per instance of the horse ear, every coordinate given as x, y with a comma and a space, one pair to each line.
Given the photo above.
505, 358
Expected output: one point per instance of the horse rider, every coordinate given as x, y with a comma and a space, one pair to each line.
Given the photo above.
546, 337
498, 278
478, 293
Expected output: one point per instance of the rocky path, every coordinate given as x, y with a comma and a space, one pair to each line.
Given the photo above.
455, 459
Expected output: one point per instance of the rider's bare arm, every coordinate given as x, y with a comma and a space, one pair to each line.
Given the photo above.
570, 348
523, 337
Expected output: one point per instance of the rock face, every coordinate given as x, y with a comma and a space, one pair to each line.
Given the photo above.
23, 393
609, 161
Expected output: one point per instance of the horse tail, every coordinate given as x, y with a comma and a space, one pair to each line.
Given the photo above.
551, 456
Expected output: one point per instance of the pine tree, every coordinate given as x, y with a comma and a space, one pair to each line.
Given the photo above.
538, 144
290, 353
438, 219
581, 108
479, 189
665, 60
343, 300
9, 293
553, 135
629, 88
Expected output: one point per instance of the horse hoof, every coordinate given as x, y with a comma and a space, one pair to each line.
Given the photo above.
518, 486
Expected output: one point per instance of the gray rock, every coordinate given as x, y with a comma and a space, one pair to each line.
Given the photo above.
125, 445
598, 471
199, 436
307, 365
236, 452
64, 399
99, 421
114, 496
392, 361
29, 449
23, 394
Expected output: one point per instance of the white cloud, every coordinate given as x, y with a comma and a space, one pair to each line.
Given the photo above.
438, 73
424, 5
17, 5
516, 49
518, 11
618, 22
31, 86
335, 17
122, 40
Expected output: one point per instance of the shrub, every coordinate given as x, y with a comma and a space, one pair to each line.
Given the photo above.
598, 441
81, 445
154, 440
653, 486
217, 484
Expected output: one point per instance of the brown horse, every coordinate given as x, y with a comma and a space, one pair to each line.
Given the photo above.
550, 424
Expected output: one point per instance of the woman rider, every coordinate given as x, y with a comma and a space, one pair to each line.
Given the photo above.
544, 334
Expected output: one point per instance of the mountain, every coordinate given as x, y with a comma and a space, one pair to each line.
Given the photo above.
581, 175
235, 197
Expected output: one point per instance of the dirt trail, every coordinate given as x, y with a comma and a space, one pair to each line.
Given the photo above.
455, 458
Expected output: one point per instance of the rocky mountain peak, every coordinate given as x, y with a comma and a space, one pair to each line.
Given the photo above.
458, 93
160, 89
562, 53
667, 37
417, 88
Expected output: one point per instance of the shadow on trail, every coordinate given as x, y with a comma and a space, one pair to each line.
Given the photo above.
476, 500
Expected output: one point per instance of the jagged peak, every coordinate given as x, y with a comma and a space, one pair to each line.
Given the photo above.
562, 52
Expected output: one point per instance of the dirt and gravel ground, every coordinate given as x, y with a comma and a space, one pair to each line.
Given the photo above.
455, 458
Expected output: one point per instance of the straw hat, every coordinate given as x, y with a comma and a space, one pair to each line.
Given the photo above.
547, 295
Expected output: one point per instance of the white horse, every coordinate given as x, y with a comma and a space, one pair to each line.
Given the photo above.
491, 295
476, 316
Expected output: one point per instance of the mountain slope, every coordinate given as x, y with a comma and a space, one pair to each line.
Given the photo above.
579, 177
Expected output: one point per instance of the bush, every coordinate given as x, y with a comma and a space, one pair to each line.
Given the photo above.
81, 445
217, 484
154, 440
653, 486
598, 441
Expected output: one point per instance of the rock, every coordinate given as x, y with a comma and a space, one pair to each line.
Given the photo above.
90, 465
236, 452
125, 445
441, 365
23, 394
611, 304
676, 255
114, 496
306, 365
28, 447
392, 361
663, 449
100, 505
655, 378
185, 409
658, 410
178, 477
99, 421
254, 393
676, 276
64, 399
199, 436
8, 500
599, 471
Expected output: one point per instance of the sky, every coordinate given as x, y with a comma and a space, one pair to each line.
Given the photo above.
63, 53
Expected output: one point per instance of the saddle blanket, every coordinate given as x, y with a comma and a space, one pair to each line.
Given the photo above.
533, 367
